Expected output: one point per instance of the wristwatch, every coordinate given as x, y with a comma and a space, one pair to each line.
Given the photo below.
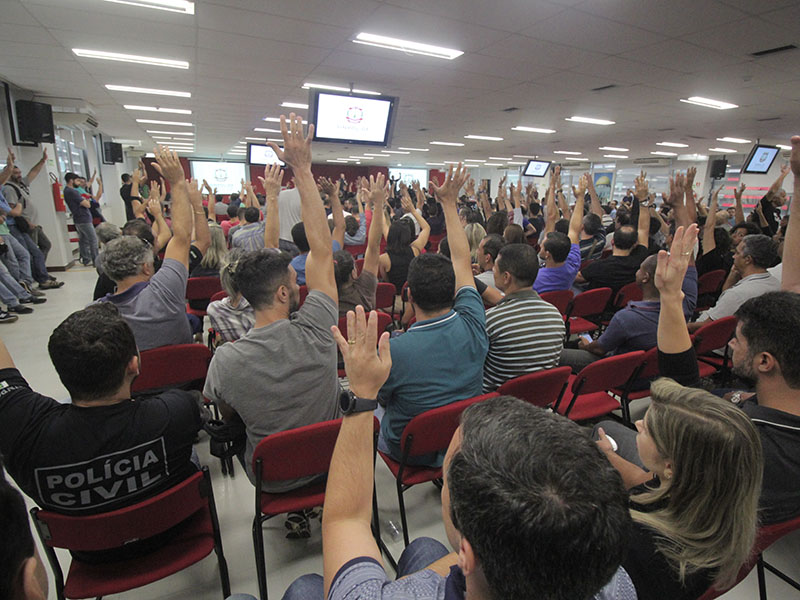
350, 403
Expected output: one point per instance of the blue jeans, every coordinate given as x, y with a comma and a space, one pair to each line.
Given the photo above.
18, 260
37, 257
11, 292
419, 554
87, 242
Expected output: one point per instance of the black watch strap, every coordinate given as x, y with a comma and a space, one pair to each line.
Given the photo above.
351, 404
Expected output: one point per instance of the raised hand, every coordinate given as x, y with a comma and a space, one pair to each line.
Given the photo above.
469, 190
737, 192
44, 155
785, 170
137, 176
378, 189
448, 191
583, 184
155, 190
672, 266
642, 189
688, 184
296, 147
154, 205
676, 187
195, 197
366, 369
794, 160
271, 181
168, 165
329, 187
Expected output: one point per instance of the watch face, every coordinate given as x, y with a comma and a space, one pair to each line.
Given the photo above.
344, 401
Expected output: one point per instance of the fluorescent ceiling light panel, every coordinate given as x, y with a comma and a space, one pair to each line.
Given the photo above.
179, 6
336, 160
488, 138
782, 147
266, 130
169, 132
516, 163
255, 139
275, 140
614, 149
373, 154
132, 58
395, 152
709, 103
722, 150
178, 123
363, 157
500, 158
672, 144
532, 129
567, 152
408, 47
590, 120
277, 120
615, 156
141, 90
733, 140
492, 165
452, 162
664, 153
294, 105
161, 137
435, 164
414, 149
474, 160
337, 88
123, 141
524, 156
179, 111
447, 143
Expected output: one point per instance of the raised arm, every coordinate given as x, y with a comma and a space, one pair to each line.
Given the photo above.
271, 182
35, 169
168, 165
563, 205
791, 246
297, 154
576, 219
424, 229
136, 200
777, 185
738, 209
332, 190
5, 174
378, 192
688, 192
709, 243
673, 336
447, 195
212, 200
501, 194
516, 203
161, 231
551, 213
202, 234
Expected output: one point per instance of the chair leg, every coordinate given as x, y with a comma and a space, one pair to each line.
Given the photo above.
261, 565
781, 575
762, 582
402, 512
224, 577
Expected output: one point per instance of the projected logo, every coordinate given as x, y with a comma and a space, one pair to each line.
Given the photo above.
355, 114
221, 175
764, 157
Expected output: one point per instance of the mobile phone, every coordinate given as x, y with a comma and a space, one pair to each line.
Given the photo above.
586, 337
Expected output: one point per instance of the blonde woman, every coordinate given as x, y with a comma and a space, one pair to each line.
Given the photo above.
232, 316
475, 233
695, 502
215, 257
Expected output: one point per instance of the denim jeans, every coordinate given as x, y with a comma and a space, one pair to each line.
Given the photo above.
17, 260
37, 258
41, 240
419, 554
11, 292
87, 242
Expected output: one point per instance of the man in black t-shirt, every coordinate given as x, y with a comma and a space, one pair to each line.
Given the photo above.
104, 450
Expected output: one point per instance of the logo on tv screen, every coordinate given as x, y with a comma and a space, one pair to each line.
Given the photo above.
355, 114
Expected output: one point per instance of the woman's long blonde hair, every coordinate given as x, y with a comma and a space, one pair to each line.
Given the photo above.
217, 254
475, 233
710, 513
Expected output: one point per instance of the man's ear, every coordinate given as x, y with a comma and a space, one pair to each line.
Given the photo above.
134, 365
466, 557
766, 363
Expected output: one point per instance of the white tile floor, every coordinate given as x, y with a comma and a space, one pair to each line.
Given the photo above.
27, 341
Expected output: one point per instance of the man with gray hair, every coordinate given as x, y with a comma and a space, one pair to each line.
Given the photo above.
748, 278
152, 303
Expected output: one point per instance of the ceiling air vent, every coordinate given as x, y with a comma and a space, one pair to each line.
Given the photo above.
510, 109
769, 119
604, 87
666, 129
774, 50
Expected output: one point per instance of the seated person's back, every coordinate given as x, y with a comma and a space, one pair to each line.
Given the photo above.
562, 262
620, 268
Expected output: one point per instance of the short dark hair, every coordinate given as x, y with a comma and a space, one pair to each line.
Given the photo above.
126, 177
232, 210
351, 225
432, 281
514, 234
655, 226
474, 216
535, 208
521, 261
251, 214
625, 237
562, 226
139, 228
299, 237
232, 198
722, 240
492, 244
769, 324
17, 544
91, 350
592, 224
751, 228
762, 249
259, 274
70, 176
531, 493
623, 217
444, 247
497, 223
343, 265
558, 245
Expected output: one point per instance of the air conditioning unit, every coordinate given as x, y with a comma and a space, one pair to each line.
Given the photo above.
655, 162
574, 165
71, 112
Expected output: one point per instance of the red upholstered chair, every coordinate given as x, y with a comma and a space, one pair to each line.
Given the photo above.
560, 299
181, 365
201, 289
191, 502
426, 433
356, 250
384, 321
287, 455
630, 292
714, 335
359, 265
434, 241
648, 369
303, 294
221, 295
588, 395
709, 286
585, 309
542, 388
384, 297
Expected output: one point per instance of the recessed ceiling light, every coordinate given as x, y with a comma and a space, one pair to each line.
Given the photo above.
567, 152
672, 144
170, 132
336, 160
615, 156
280, 140
179, 6
532, 129
363, 157
492, 165
180, 143
709, 103
613, 149
516, 163
722, 150
446, 143
265, 130
179, 111
478, 160
488, 138
500, 158
782, 147
141, 90
590, 120
452, 162
161, 137
255, 139
524, 156
337, 88
395, 152
277, 120
659, 153
154, 122
435, 164
294, 105
408, 47
132, 58
414, 149
733, 140
373, 154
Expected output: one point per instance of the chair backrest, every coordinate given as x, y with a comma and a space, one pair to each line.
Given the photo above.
560, 299
116, 528
384, 320
356, 250
590, 303
650, 364
359, 265
202, 288
384, 295
541, 388
303, 294
221, 295
607, 373
404, 292
714, 335
711, 282
630, 292
171, 366
586, 263
432, 430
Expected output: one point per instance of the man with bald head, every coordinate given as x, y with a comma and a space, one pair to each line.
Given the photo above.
635, 327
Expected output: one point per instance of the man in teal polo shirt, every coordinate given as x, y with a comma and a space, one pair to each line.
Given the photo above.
440, 359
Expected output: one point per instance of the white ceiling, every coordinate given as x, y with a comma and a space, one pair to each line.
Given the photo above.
543, 57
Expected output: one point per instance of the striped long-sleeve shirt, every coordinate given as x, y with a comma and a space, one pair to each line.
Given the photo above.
526, 334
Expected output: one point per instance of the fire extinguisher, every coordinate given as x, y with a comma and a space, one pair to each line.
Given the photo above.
58, 197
